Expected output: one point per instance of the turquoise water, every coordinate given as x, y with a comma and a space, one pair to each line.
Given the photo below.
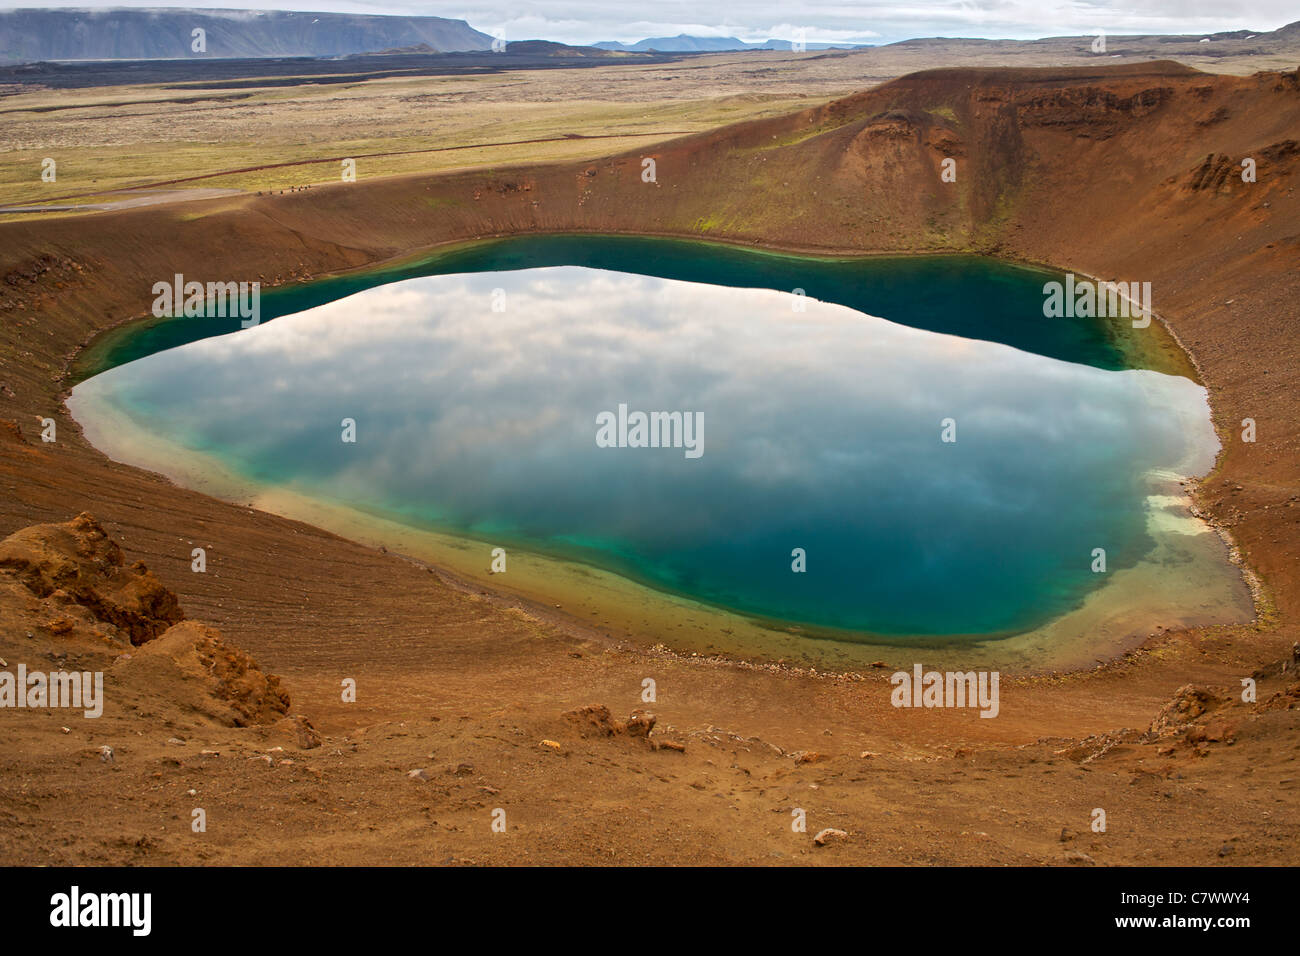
821, 430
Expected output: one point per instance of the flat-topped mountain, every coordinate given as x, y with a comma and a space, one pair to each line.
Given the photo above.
683, 43
31, 35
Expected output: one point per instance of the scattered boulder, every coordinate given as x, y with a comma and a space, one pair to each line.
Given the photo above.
1214, 731
596, 720
830, 834
1287, 699
300, 730
640, 724
1189, 703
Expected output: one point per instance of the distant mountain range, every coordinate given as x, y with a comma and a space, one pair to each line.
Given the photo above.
32, 35
689, 44
77, 34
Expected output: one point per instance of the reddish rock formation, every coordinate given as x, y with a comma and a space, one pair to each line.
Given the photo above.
218, 679
79, 559
86, 592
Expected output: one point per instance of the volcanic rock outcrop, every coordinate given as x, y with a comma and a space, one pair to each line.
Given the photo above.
71, 581
77, 562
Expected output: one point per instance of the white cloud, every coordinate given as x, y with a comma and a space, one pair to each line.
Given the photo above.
867, 21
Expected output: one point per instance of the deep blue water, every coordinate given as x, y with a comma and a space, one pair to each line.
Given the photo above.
971, 296
822, 429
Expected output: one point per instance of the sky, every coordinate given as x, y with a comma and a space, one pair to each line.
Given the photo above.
863, 21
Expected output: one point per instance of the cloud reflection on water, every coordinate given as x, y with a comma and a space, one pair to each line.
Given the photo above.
822, 432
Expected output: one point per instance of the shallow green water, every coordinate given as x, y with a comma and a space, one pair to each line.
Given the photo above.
821, 430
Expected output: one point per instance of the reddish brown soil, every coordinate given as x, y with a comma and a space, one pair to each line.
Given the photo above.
1122, 173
